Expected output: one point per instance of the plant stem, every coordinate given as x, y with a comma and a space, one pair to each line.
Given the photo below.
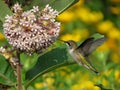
19, 87
19, 77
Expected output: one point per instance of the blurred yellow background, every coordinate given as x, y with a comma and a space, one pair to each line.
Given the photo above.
79, 22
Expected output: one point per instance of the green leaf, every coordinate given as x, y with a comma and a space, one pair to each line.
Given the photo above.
59, 5
97, 35
4, 10
7, 76
49, 61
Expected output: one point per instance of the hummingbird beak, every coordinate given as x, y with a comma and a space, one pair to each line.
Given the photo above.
63, 41
66, 42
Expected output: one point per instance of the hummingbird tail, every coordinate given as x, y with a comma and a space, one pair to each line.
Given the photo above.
94, 70
90, 67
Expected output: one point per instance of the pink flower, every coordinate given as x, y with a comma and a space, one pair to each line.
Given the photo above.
31, 31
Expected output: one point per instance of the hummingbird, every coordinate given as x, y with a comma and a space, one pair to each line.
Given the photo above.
80, 53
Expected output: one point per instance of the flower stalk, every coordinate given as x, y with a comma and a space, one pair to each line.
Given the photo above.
29, 32
19, 80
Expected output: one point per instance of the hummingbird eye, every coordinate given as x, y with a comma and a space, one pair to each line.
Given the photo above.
69, 45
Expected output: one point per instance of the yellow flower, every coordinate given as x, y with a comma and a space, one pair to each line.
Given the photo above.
117, 75
105, 82
115, 1
83, 14
75, 87
78, 4
84, 33
77, 35
50, 81
62, 73
66, 16
114, 33
111, 43
2, 36
103, 47
95, 17
108, 72
105, 27
74, 37
39, 85
115, 10
96, 88
87, 16
115, 58
87, 85
67, 37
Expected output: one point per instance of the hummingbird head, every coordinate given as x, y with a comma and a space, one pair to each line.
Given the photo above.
71, 44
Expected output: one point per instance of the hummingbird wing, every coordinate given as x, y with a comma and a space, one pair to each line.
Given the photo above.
85, 46
97, 43
90, 45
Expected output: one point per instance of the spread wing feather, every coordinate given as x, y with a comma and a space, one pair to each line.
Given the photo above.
90, 45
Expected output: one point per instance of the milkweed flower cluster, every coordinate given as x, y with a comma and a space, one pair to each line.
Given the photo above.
31, 31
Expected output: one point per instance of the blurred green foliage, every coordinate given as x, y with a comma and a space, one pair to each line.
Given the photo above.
79, 22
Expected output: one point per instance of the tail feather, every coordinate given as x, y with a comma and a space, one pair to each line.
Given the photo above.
90, 67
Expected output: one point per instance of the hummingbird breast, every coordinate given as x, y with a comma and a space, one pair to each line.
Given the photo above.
76, 56
81, 60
